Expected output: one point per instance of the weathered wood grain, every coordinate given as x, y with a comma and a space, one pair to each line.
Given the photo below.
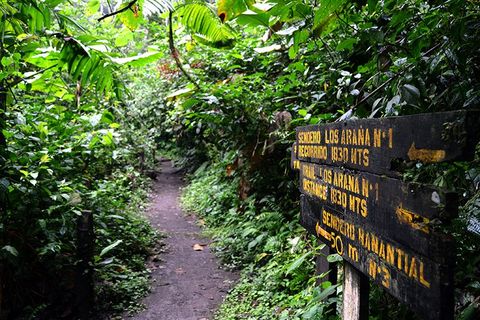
383, 145
424, 282
401, 211
385, 228
355, 294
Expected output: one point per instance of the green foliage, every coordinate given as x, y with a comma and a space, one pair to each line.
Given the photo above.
31, 53
66, 149
273, 251
230, 9
335, 61
61, 162
205, 25
197, 15
72, 145
124, 240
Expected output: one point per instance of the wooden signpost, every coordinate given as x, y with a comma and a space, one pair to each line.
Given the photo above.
384, 228
84, 283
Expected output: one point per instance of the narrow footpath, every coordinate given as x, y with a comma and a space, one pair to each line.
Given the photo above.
187, 284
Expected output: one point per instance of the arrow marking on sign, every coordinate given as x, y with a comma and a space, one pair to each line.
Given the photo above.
414, 220
425, 155
322, 232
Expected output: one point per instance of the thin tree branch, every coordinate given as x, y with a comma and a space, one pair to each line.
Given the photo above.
18, 80
377, 89
407, 67
129, 6
346, 23
13, 95
174, 51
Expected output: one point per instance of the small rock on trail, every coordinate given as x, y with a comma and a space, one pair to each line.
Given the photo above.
189, 284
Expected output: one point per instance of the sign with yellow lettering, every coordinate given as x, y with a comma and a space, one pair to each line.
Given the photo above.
397, 209
386, 228
411, 272
384, 145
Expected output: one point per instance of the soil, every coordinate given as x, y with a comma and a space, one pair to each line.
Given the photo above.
186, 284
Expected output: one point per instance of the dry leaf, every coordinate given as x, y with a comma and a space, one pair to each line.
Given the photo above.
197, 247
179, 271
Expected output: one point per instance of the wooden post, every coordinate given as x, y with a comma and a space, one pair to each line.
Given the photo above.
84, 291
352, 198
355, 294
323, 266
2, 282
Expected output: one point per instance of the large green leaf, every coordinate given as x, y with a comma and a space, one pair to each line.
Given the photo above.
110, 247
298, 262
36, 15
325, 14
230, 9
10, 250
92, 7
86, 62
132, 17
139, 60
203, 23
254, 19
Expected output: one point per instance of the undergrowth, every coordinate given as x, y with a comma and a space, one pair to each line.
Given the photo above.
273, 251
62, 163
121, 277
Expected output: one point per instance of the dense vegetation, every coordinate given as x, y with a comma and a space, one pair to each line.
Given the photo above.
86, 103
67, 151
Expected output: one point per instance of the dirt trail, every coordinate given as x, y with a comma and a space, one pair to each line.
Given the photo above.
188, 284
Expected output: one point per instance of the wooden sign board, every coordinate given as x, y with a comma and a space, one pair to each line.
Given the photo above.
402, 211
380, 145
384, 227
422, 281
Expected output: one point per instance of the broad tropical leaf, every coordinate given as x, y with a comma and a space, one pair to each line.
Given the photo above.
139, 60
110, 247
205, 25
92, 7
230, 9
325, 15
254, 19
151, 7
82, 61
